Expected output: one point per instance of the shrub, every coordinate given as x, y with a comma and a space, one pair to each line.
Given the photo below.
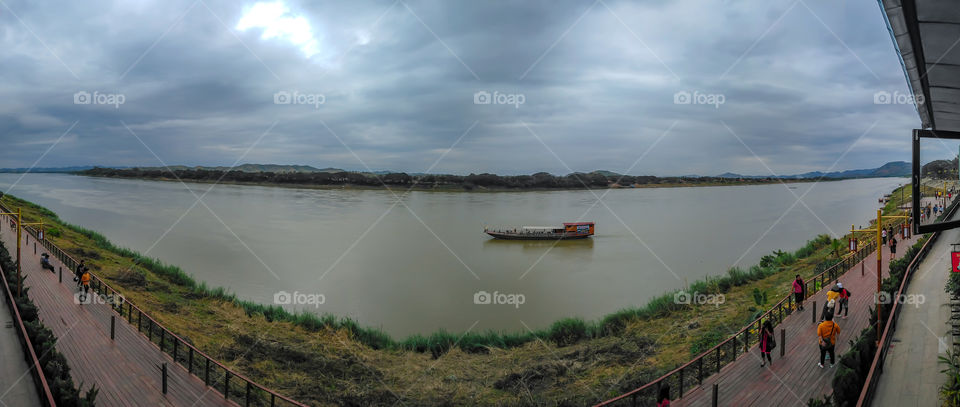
950, 391
569, 331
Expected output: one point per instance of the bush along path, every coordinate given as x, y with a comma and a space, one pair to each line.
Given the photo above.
55, 368
795, 378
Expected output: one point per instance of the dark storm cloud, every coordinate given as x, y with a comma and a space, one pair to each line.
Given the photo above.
598, 82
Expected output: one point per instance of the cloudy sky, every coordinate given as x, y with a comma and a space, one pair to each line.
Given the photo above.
649, 87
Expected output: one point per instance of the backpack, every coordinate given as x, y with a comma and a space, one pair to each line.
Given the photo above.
826, 339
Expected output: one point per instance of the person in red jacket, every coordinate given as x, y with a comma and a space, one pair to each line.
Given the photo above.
798, 288
844, 301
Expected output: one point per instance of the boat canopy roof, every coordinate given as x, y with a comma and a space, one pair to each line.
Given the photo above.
577, 223
540, 227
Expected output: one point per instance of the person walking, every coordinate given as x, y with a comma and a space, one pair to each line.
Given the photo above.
844, 302
798, 288
893, 248
827, 337
883, 235
79, 272
767, 343
85, 280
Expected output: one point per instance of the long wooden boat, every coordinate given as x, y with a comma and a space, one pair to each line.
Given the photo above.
569, 230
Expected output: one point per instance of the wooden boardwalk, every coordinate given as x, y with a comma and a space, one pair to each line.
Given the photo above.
795, 378
126, 369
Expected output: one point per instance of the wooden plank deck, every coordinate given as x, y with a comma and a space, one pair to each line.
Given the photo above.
795, 378
126, 370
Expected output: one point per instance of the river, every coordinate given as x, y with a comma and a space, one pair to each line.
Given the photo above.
416, 266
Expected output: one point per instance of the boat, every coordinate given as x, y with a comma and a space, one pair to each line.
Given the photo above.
569, 230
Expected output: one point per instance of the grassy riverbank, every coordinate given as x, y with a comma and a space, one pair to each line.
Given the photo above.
332, 361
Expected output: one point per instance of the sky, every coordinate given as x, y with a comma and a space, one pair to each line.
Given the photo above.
509, 87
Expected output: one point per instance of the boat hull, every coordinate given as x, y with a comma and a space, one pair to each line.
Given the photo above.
536, 236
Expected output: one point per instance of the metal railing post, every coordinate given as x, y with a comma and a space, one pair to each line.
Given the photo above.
164, 373
113, 327
716, 391
783, 341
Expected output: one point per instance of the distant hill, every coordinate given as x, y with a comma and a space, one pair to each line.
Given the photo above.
890, 169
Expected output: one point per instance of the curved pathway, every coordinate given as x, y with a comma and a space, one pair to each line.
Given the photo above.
126, 370
795, 378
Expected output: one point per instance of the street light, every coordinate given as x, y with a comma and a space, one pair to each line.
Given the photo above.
878, 230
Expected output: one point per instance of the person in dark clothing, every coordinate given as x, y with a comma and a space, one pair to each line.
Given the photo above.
844, 301
663, 399
79, 272
798, 288
767, 343
893, 248
45, 262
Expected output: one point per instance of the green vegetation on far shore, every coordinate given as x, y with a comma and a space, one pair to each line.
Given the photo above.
433, 182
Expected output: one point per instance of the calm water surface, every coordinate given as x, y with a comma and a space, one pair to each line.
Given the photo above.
415, 267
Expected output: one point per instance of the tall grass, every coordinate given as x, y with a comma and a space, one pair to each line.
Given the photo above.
562, 333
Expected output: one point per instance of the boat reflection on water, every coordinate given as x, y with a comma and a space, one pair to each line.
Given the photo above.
577, 247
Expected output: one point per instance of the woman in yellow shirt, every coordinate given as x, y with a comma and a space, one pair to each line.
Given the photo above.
827, 333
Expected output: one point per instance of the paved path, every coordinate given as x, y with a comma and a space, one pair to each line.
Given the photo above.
795, 378
911, 376
16, 382
126, 369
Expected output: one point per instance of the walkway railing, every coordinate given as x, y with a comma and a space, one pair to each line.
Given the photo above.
876, 367
232, 385
43, 389
692, 373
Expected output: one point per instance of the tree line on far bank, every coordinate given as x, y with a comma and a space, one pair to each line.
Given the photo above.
543, 180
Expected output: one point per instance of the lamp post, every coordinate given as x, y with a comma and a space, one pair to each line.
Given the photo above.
878, 230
